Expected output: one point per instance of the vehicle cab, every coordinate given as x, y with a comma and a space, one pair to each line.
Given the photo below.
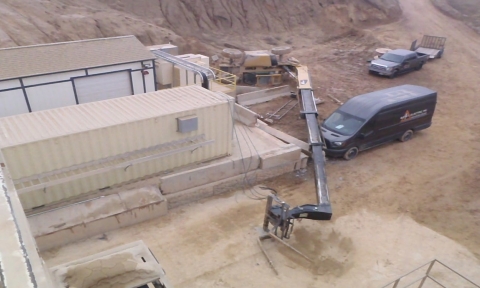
394, 62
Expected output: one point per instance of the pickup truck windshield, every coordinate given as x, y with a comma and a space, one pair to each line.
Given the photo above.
343, 123
392, 58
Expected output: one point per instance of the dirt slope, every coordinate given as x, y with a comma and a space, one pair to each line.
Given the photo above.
466, 10
24, 22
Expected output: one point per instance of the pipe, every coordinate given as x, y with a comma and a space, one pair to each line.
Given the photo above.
205, 73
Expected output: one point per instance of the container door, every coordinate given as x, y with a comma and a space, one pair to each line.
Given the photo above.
103, 87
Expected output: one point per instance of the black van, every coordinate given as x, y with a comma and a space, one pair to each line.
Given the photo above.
368, 120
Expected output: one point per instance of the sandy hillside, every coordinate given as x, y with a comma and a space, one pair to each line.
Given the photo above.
467, 11
25, 22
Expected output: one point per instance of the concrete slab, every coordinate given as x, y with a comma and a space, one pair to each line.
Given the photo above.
245, 115
95, 216
284, 137
246, 89
20, 264
302, 163
264, 95
130, 265
264, 174
207, 174
208, 190
54, 220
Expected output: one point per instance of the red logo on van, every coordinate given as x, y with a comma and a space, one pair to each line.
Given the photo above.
409, 116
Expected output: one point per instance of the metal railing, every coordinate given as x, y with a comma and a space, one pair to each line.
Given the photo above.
421, 280
224, 79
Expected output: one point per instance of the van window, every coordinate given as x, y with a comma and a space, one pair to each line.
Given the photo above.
367, 128
343, 123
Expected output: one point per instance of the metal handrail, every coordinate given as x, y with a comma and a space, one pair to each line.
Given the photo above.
427, 275
224, 78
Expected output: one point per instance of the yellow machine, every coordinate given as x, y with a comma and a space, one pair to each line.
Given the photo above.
263, 68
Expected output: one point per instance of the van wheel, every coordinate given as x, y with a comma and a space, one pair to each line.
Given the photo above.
407, 136
351, 153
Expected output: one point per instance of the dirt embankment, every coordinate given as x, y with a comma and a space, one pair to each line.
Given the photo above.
194, 25
467, 11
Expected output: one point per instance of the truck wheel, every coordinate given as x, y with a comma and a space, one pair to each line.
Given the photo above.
407, 136
394, 74
351, 153
419, 66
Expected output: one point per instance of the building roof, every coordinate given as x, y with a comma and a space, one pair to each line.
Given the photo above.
66, 56
367, 105
40, 125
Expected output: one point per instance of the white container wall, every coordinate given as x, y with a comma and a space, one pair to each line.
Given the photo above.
36, 143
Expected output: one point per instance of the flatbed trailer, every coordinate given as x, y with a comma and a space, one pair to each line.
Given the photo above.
433, 46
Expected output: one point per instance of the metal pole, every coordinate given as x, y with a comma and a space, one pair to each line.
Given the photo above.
270, 262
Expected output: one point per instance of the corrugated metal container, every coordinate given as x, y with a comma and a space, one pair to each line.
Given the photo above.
51, 141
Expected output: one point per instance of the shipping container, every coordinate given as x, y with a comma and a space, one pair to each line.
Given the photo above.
105, 143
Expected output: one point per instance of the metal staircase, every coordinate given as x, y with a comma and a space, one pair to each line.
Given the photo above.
439, 276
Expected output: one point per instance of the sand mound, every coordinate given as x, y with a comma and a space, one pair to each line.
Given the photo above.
330, 252
25, 22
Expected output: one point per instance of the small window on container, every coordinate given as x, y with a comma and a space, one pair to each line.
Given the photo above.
187, 124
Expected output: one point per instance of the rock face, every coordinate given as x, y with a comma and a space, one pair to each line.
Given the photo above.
25, 22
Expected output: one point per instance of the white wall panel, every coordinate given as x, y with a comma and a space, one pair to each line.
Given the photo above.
12, 102
132, 66
150, 81
34, 80
137, 79
103, 87
50, 96
8, 84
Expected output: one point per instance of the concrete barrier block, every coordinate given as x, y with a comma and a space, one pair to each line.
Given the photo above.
284, 136
188, 196
264, 174
245, 116
208, 190
302, 163
206, 174
99, 215
289, 153
264, 95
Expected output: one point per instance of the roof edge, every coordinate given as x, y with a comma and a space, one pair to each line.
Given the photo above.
67, 42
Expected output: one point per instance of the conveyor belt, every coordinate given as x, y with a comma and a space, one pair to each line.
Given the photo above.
309, 109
